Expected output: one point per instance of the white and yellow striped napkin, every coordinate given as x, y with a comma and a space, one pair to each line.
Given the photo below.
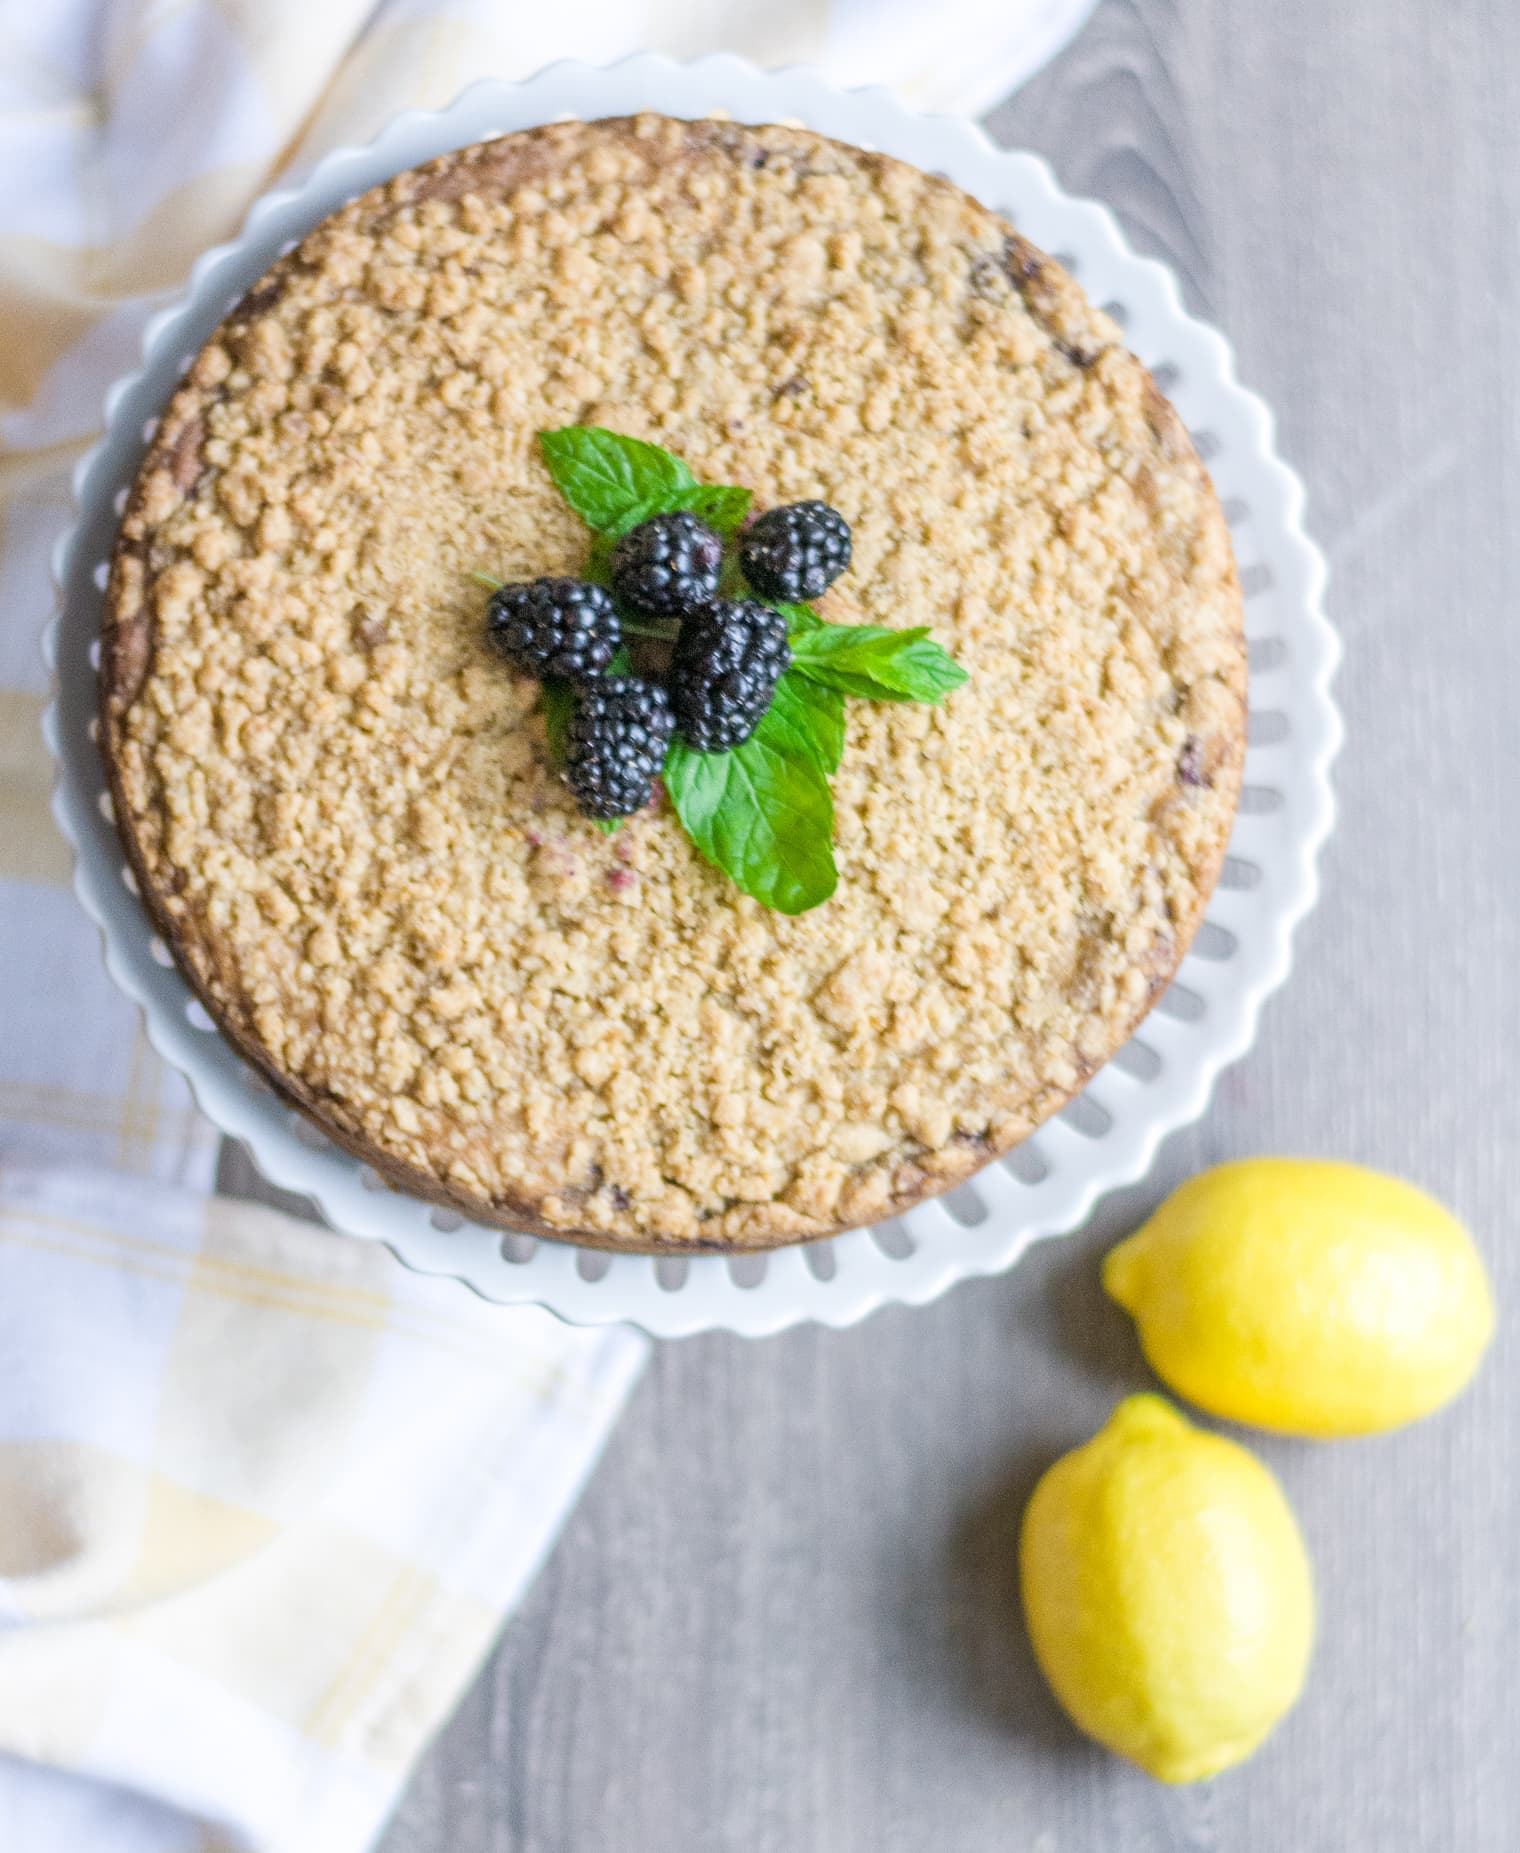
265, 1498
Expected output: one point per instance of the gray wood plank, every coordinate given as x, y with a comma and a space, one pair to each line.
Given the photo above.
784, 1616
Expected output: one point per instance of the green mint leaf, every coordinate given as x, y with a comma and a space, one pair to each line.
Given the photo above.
604, 475
879, 664
806, 720
720, 505
558, 704
599, 560
762, 815
798, 617
630, 519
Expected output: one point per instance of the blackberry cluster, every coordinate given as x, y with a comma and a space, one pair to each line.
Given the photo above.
667, 565
555, 627
727, 655
616, 745
796, 553
727, 661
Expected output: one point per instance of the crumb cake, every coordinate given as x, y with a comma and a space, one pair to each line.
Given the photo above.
344, 815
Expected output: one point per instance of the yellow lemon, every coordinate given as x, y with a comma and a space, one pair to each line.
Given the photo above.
1168, 1592
1304, 1296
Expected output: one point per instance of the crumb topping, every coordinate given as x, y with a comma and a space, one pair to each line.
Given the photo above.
342, 801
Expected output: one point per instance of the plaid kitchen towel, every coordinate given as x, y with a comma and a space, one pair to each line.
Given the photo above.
265, 1498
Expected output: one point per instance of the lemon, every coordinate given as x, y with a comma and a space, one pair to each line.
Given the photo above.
1305, 1296
1167, 1591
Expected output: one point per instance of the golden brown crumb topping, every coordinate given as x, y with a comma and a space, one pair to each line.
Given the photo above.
343, 805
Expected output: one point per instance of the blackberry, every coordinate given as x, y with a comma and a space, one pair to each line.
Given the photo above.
667, 565
615, 744
796, 553
727, 661
554, 627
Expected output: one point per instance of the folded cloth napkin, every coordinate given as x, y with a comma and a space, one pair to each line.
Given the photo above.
265, 1498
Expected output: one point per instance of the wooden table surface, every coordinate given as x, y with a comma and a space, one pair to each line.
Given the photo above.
783, 1619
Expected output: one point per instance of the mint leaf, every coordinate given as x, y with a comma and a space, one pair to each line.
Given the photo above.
559, 705
599, 560
806, 720
604, 475
879, 664
720, 505
630, 519
798, 617
762, 815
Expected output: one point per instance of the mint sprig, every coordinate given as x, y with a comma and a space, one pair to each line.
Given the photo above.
877, 664
807, 720
798, 618
615, 482
558, 701
763, 813
720, 505
605, 476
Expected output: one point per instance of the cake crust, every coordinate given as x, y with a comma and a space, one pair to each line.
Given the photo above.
341, 810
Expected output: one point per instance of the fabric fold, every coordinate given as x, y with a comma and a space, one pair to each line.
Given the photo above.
264, 1499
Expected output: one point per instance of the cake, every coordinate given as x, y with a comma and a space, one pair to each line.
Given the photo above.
344, 815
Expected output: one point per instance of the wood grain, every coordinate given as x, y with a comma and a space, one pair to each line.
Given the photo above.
783, 1619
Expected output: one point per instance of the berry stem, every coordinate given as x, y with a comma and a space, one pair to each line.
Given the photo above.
490, 584
665, 632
